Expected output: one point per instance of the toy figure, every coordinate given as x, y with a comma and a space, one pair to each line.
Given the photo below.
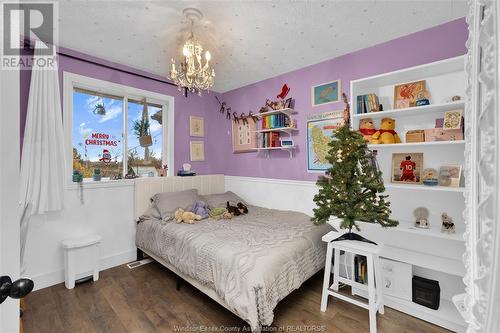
367, 128
422, 215
448, 225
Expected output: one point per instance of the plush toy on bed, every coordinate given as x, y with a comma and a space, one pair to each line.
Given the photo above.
239, 209
186, 217
200, 208
220, 213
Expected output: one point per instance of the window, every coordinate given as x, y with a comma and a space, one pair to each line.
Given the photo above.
116, 129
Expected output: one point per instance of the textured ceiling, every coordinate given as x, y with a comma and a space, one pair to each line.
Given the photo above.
249, 40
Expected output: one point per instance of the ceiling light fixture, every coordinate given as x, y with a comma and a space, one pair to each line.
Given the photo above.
192, 74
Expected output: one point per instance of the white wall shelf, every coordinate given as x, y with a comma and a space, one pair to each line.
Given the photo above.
412, 111
418, 187
287, 130
268, 149
416, 144
434, 231
287, 111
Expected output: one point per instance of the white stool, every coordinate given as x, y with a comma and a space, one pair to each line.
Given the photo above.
81, 259
374, 289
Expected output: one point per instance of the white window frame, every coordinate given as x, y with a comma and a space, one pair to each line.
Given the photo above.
72, 81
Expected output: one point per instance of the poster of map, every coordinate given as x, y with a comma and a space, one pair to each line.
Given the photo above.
320, 130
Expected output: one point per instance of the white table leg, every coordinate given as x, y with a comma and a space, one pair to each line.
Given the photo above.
372, 303
336, 269
378, 283
326, 279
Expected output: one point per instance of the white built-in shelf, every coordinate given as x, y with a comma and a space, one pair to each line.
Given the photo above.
446, 315
433, 231
288, 130
412, 111
424, 187
417, 144
287, 111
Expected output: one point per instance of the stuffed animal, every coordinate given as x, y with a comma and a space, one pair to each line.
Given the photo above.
186, 217
200, 208
386, 134
220, 213
242, 208
233, 209
367, 128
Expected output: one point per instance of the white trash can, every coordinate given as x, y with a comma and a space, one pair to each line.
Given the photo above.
81, 259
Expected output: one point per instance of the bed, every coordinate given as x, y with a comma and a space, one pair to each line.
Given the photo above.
247, 264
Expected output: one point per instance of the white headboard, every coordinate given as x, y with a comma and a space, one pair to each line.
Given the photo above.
145, 188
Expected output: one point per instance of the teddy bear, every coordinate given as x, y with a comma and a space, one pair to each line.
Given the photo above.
386, 134
367, 128
186, 217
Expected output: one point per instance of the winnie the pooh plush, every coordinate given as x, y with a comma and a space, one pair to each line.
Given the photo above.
367, 128
186, 217
386, 134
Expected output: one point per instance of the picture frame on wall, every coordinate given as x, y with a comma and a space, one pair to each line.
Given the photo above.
407, 168
326, 93
196, 126
244, 136
450, 175
321, 129
197, 151
407, 91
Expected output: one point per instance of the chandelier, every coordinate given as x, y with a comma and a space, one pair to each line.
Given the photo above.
192, 74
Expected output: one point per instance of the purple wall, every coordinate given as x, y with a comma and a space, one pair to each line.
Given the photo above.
440, 42
184, 107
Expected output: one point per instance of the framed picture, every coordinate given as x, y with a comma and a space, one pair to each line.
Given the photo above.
196, 126
407, 168
197, 150
244, 136
325, 93
320, 131
449, 175
452, 120
407, 91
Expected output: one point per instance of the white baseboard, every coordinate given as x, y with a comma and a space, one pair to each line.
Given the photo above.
52, 278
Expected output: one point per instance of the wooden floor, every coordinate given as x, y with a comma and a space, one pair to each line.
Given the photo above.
144, 299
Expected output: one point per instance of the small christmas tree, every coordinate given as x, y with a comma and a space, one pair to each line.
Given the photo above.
352, 188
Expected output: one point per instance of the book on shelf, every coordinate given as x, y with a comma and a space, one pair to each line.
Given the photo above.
275, 121
270, 139
367, 103
360, 267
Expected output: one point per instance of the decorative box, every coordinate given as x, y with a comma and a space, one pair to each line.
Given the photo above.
415, 136
439, 123
439, 134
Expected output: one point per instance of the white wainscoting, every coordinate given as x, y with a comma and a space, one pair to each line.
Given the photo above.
282, 194
106, 210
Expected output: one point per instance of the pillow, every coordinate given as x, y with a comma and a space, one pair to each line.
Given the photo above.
151, 214
168, 202
220, 199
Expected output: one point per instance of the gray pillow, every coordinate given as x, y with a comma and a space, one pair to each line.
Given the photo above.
168, 202
220, 199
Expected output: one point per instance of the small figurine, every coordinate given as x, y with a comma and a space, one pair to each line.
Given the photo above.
130, 174
381, 107
447, 225
77, 176
422, 98
422, 218
456, 98
430, 177
386, 134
